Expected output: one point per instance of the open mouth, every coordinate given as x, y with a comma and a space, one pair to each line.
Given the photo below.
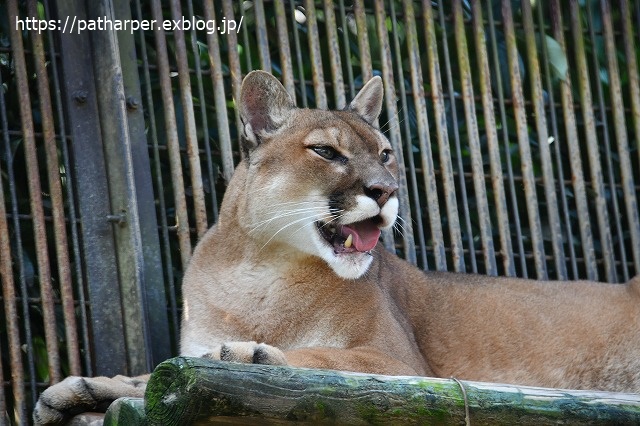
352, 238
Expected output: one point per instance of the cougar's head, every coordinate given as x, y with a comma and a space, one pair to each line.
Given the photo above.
318, 182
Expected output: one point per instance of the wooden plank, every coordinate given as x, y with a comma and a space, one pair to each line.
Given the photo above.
197, 391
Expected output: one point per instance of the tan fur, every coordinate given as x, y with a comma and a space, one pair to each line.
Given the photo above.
394, 319
262, 287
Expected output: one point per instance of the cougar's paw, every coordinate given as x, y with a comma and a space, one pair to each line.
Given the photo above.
75, 395
249, 353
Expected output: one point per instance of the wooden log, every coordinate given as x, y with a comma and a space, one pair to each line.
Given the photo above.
197, 391
125, 411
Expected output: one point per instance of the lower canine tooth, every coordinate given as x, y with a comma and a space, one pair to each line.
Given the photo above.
348, 241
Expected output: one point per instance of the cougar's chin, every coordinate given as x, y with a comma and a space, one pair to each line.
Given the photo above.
347, 247
346, 263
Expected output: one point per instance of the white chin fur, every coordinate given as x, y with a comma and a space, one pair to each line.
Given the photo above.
349, 266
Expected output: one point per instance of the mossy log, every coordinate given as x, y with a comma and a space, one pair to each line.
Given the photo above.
125, 411
185, 391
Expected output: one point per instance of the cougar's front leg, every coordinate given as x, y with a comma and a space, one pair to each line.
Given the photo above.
362, 359
248, 352
74, 395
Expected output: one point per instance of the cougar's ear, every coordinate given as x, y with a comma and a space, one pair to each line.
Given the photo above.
264, 105
368, 102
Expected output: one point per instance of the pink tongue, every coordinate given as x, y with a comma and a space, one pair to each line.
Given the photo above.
365, 234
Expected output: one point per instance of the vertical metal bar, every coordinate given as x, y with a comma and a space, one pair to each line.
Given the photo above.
284, 48
73, 222
120, 149
334, 55
15, 355
164, 229
446, 166
603, 121
11, 318
55, 191
550, 102
98, 245
497, 178
16, 368
35, 191
173, 145
506, 141
224, 136
261, 36
426, 156
548, 180
408, 141
366, 73
246, 47
593, 150
299, 63
347, 49
622, 140
523, 143
477, 168
394, 131
572, 142
634, 80
234, 63
204, 122
451, 93
151, 287
316, 56
363, 41
191, 133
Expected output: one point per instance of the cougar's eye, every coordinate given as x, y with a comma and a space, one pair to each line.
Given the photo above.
325, 152
385, 156
328, 153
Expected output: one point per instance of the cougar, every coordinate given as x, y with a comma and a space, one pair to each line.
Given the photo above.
294, 274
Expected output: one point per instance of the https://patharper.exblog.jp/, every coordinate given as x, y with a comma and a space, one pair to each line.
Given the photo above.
75, 25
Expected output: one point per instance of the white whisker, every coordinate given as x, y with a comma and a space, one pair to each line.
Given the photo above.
287, 213
397, 125
389, 120
337, 217
399, 227
290, 224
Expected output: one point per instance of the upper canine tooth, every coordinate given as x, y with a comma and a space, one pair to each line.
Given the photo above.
348, 241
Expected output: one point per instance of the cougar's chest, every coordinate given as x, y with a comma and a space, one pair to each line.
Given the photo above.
289, 309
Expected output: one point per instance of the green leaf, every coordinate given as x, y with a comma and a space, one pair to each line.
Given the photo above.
557, 58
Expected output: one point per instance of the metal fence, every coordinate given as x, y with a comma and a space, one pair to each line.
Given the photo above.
517, 127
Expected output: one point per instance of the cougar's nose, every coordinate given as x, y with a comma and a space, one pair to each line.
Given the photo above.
380, 193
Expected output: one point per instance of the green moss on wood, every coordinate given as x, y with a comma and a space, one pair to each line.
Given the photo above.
195, 391
126, 411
